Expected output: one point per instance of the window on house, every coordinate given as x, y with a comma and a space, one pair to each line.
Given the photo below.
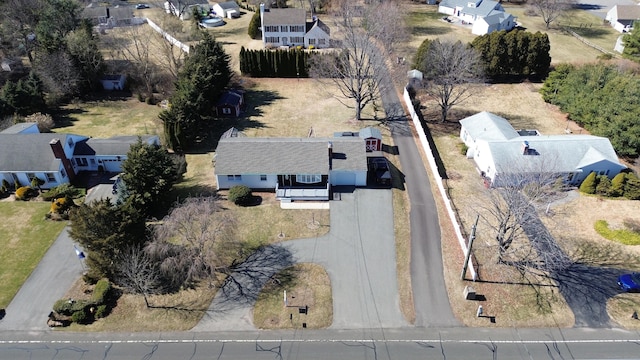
70, 141
30, 176
272, 39
297, 39
81, 161
321, 42
50, 177
308, 178
271, 28
226, 111
312, 41
63, 173
296, 28
263, 177
234, 177
283, 28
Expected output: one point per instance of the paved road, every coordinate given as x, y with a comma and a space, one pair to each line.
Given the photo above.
430, 297
54, 275
412, 343
359, 256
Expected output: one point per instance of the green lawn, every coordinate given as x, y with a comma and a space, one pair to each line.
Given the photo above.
25, 236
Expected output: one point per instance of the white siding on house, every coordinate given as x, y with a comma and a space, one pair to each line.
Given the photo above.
316, 37
252, 181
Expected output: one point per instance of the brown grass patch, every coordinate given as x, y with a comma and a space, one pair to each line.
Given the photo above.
309, 288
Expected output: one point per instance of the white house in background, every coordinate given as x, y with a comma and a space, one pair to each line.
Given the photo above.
289, 27
486, 16
228, 9
56, 158
295, 168
113, 82
622, 17
499, 151
183, 9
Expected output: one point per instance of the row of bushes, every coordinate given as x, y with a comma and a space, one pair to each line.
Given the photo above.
86, 311
625, 184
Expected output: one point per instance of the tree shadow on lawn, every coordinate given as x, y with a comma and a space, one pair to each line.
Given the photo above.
429, 30
247, 279
63, 117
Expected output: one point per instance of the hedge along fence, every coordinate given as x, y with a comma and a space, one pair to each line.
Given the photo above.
434, 170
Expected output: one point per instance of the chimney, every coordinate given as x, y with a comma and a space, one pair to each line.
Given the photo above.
330, 148
58, 152
525, 148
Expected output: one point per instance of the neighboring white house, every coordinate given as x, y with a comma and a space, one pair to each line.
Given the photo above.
499, 151
295, 168
289, 27
485, 15
57, 158
228, 9
183, 9
622, 17
109, 17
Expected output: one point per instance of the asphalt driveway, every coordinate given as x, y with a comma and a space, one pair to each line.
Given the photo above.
359, 256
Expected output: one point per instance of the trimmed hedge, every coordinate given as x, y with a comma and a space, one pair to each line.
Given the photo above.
101, 291
25, 193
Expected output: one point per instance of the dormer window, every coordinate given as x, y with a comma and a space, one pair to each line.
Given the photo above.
70, 141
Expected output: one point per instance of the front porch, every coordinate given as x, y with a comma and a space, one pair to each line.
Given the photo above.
288, 193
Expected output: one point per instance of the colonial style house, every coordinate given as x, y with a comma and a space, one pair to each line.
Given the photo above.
295, 168
486, 16
500, 151
57, 158
289, 27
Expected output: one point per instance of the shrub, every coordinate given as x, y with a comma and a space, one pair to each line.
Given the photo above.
632, 187
100, 291
69, 306
588, 185
603, 186
5, 184
240, 195
25, 193
617, 185
45, 121
101, 311
61, 205
463, 148
63, 190
79, 317
36, 182
140, 97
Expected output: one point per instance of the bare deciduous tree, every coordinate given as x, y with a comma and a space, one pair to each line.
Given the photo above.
169, 57
138, 273
453, 68
355, 68
19, 19
195, 241
385, 21
550, 10
58, 74
512, 212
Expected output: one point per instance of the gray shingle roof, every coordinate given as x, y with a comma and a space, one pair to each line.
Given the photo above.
565, 153
627, 12
488, 126
117, 145
483, 9
29, 152
242, 155
288, 16
17, 128
229, 5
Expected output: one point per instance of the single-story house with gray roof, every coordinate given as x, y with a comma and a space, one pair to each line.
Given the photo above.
622, 17
58, 158
500, 151
295, 168
470, 11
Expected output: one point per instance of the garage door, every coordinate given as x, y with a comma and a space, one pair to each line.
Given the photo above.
343, 178
112, 165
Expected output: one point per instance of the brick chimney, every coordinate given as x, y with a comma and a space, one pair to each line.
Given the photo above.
58, 152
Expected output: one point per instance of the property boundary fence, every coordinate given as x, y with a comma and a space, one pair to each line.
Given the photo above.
434, 170
168, 37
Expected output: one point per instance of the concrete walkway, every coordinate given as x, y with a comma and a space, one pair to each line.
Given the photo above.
359, 256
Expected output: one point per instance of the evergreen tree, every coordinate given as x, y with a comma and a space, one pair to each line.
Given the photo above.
201, 81
631, 42
589, 184
254, 26
148, 174
419, 60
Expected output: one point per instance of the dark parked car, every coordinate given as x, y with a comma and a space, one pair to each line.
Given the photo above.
142, 6
629, 282
379, 168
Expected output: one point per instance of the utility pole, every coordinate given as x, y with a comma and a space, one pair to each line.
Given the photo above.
472, 236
